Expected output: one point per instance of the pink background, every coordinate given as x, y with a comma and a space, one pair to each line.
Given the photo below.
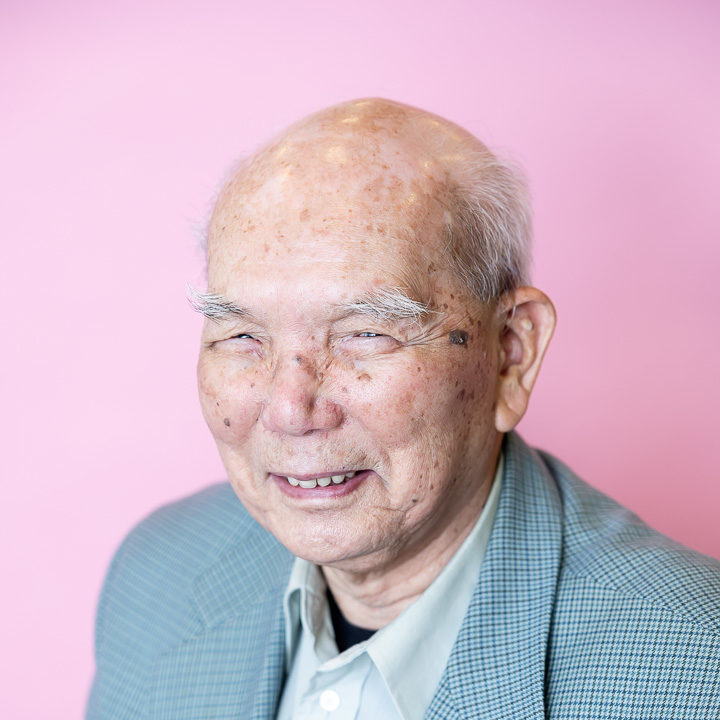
119, 118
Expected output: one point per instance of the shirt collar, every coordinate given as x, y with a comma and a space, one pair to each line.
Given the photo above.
305, 605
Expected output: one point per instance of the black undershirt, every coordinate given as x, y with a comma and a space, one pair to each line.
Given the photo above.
346, 634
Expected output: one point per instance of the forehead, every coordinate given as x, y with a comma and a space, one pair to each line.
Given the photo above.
373, 210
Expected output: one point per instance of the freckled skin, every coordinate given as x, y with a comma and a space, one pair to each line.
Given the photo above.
328, 212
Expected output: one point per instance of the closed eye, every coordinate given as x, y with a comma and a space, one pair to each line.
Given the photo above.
239, 341
366, 341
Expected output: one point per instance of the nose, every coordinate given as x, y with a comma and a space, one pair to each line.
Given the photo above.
295, 404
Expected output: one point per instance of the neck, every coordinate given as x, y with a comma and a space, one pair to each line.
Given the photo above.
372, 598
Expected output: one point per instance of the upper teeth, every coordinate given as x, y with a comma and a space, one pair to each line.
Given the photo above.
321, 481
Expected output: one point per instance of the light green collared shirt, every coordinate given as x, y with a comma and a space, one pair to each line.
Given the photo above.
394, 674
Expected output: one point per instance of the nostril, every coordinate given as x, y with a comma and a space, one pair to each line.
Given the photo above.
299, 413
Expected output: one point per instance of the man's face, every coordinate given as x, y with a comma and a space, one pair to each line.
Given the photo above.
308, 383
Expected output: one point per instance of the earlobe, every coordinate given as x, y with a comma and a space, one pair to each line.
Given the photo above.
526, 324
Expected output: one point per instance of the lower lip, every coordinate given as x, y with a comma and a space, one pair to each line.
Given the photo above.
321, 493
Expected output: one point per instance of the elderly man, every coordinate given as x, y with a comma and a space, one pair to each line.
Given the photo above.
370, 342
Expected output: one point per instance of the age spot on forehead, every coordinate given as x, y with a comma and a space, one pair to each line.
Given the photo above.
458, 337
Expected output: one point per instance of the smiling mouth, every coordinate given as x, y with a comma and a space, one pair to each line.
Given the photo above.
321, 481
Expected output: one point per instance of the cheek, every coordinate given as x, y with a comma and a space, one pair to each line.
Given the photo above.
430, 401
474, 391
397, 404
229, 404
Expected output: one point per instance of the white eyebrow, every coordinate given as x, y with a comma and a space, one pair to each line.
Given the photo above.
387, 305
213, 306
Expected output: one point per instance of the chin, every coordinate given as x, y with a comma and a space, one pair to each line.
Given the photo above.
317, 543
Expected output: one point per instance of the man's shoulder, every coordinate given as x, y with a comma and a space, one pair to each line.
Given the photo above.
151, 588
610, 548
180, 571
177, 542
191, 530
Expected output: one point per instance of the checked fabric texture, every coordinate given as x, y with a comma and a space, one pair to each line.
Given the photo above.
581, 612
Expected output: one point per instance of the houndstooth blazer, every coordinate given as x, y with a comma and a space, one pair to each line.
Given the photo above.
580, 612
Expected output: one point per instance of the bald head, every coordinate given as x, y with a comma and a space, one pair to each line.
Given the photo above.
382, 169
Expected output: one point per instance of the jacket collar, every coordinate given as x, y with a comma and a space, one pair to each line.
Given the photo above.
497, 667
223, 590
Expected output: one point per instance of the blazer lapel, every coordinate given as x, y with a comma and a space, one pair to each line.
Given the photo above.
231, 667
497, 666
272, 676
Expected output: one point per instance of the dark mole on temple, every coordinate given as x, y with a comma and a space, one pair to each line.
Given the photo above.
458, 337
227, 421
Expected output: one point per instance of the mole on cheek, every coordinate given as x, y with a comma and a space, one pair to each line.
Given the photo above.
458, 337
227, 422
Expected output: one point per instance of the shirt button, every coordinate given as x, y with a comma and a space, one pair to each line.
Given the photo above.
329, 700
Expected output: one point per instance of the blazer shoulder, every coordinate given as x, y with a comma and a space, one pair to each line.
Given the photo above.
155, 596
608, 544
192, 529
148, 593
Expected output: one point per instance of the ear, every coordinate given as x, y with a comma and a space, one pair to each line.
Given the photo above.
526, 322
